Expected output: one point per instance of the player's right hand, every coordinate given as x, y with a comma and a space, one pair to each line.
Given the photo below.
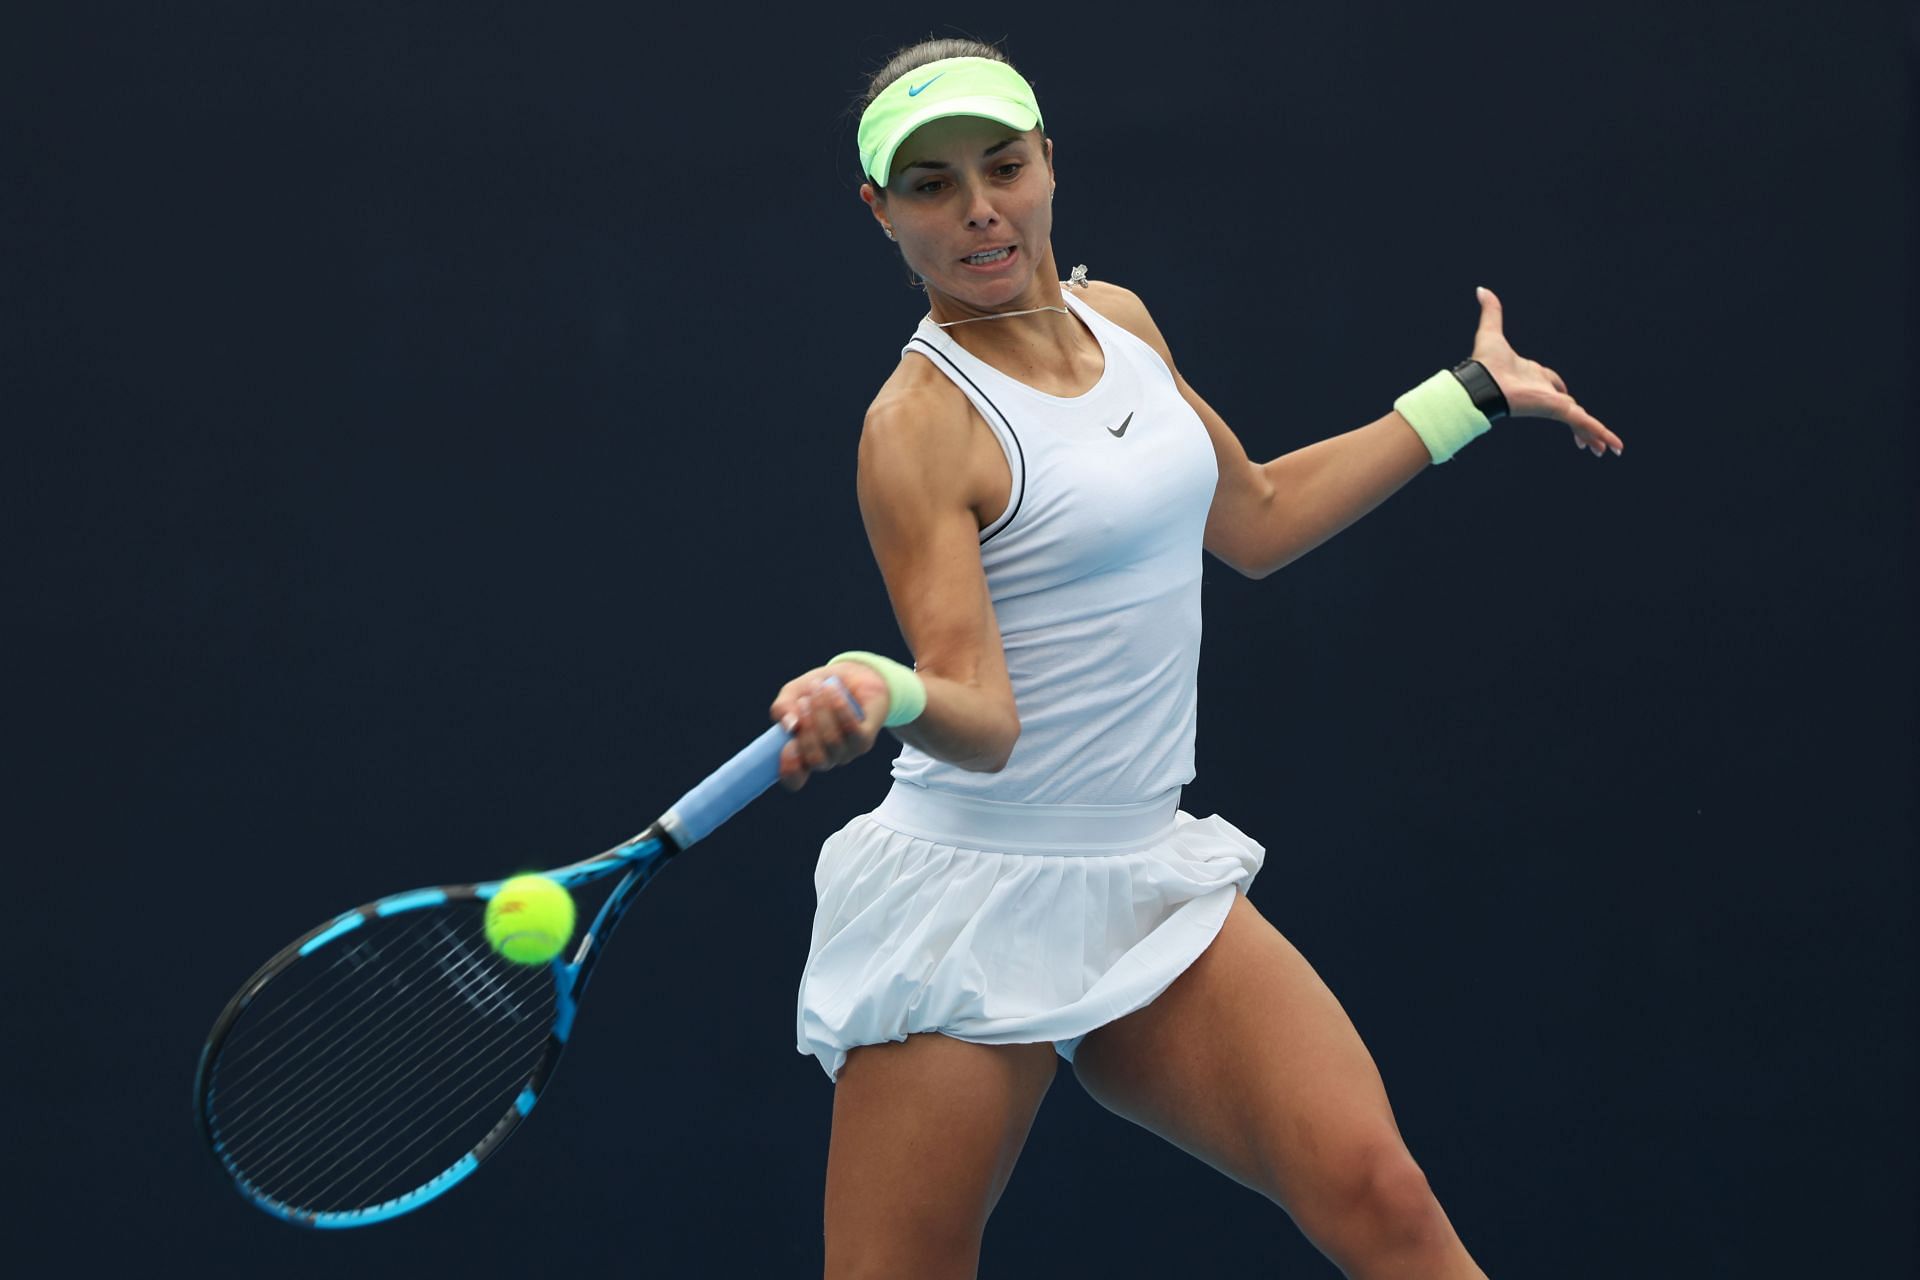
826, 732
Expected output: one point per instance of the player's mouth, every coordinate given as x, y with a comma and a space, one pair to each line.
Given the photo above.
991, 259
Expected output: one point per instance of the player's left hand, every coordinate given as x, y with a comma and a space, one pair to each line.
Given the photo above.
1533, 390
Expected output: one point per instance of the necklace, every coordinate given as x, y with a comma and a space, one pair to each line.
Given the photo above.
1078, 277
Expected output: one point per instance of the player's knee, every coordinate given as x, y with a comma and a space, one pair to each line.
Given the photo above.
1383, 1205
1402, 1203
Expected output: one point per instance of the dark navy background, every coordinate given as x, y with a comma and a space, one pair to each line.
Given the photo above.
430, 446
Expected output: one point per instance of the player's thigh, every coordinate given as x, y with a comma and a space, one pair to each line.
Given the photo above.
1248, 1062
925, 1136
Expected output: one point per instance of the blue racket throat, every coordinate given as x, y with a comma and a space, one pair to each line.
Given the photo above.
373, 1063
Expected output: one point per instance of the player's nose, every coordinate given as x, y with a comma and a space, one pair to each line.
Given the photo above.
980, 210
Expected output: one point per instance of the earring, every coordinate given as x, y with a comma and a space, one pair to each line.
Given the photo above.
890, 233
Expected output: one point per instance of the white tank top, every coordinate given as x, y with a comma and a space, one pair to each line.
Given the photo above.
1094, 570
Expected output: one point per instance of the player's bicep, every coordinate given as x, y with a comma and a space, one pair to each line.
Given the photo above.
1243, 496
920, 521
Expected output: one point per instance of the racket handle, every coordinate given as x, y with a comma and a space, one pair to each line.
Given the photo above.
697, 814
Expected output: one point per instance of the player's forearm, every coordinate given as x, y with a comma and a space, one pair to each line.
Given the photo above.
964, 724
1324, 487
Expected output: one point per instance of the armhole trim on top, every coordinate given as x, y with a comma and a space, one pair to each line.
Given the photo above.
1002, 430
1091, 314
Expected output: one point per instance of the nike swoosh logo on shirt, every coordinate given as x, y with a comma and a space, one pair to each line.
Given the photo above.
1123, 428
914, 93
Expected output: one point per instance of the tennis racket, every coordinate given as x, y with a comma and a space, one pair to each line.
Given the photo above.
372, 1064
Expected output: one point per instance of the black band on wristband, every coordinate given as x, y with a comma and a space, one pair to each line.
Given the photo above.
1486, 393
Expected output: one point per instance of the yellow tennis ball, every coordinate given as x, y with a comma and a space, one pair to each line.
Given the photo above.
530, 919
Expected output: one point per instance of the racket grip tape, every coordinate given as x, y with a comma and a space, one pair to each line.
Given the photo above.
728, 789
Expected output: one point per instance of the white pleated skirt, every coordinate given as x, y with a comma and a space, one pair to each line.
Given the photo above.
1008, 923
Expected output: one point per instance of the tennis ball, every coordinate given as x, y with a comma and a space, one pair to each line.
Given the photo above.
530, 919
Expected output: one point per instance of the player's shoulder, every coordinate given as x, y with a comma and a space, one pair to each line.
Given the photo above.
1124, 307
920, 423
1105, 296
917, 392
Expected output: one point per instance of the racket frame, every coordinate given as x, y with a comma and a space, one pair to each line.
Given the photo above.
641, 858
749, 773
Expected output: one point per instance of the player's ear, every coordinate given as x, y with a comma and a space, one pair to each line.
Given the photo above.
876, 201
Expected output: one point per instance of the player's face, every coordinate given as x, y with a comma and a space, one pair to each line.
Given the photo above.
963, 186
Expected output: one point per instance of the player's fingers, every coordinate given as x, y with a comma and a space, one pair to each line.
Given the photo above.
829, 729
1491, 313
818, 735
793, 775
1607, 438
801, 749
865, 691
1588, 431
854, 738
1591, 434
788, 699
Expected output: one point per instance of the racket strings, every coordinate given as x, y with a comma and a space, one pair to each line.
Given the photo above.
357, 1082
359, 1095
379, 1086
267, 1039
363, 1068
395, 993
397, 1130
327, 1049
337, 1071
505, 1071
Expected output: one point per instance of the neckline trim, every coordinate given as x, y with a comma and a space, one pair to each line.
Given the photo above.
1075, 307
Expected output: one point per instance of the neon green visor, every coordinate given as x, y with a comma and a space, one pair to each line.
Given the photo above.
949, 87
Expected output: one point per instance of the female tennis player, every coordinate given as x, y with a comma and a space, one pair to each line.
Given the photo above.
1038, 483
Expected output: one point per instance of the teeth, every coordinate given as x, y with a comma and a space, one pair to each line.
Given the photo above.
983, 258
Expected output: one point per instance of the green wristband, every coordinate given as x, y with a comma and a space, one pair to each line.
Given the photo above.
1443, 413
906, 691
